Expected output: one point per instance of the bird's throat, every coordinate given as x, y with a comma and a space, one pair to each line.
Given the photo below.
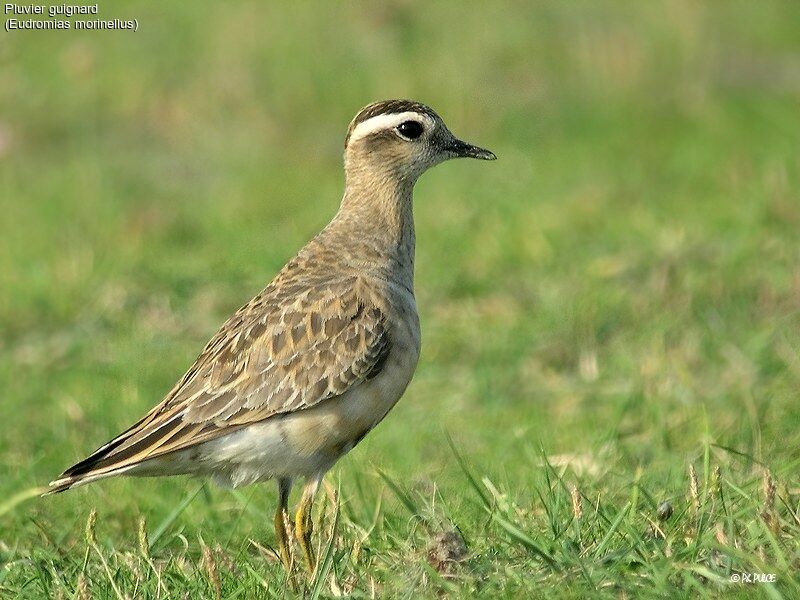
380, 219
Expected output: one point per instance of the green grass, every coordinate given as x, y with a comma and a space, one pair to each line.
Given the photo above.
614, 301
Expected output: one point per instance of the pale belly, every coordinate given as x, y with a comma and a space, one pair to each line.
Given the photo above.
300, 444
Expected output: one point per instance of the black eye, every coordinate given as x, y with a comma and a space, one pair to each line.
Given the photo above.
410, 130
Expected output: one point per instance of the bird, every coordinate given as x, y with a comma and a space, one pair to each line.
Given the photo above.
296, 377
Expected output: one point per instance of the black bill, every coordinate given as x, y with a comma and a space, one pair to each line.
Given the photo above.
466, 150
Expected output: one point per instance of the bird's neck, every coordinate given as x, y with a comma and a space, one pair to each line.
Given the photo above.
376, 224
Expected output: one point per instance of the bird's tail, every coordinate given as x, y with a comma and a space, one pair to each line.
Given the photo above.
98, 465
70, 478
143, 441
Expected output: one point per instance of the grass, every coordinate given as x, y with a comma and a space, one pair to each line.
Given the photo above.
610, 312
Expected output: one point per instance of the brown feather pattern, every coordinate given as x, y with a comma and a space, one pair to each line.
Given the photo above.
288, 349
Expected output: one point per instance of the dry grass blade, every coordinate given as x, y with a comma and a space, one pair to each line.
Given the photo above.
577, 502
694, 488
209, 564
325, 565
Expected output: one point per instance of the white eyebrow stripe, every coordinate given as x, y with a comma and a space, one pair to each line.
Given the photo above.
388, 121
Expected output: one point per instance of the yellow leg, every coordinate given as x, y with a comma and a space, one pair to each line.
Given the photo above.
304, 525
282, 524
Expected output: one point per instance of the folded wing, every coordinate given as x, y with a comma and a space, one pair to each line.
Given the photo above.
288, 349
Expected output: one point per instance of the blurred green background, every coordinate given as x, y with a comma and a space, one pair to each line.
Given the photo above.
620, 291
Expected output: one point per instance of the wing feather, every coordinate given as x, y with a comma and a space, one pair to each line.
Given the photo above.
286, 350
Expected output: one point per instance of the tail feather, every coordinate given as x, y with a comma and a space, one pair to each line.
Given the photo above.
140, 443
67, 482
121, 454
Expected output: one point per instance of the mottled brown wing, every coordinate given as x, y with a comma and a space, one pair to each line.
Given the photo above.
290, 348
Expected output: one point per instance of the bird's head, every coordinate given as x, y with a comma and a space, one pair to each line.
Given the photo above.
402, 139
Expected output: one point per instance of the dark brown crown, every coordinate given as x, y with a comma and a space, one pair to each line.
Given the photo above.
386, 107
